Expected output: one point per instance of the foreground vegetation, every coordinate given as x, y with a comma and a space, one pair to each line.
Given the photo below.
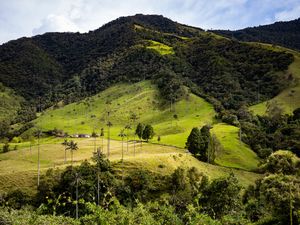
93, 193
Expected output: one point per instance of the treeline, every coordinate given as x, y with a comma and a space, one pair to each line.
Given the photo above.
286, 34
95, 193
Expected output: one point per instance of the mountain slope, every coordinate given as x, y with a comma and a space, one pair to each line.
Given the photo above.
286, 34
10, 103
144, 100
289, 98
172, 125
71, 66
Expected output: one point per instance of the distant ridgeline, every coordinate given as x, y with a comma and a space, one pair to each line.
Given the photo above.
71, 66
286, 34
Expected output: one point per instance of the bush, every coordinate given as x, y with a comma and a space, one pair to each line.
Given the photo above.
283, 162
5, 148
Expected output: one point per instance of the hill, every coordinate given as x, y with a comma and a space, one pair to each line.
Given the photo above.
289, 98
144, 100
286, 34
71, 66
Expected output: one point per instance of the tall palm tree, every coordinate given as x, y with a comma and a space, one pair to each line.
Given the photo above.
102, 136
122, 135
38, 134
127, 128
133, 117
76, 182
72, 146
109, 124
65, 144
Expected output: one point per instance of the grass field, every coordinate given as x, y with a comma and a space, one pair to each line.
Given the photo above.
19, 168
234, 153
142, 99
288, 99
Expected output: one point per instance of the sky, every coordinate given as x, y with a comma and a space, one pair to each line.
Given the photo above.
20, 18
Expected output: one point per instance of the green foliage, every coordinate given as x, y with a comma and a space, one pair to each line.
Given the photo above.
222, 197
16, 199
148, 132
282, 33
10, 216
274, 198
5, 148
139, 130
265, 134
170, 85
197, 142
283, 162
4, 128
231, 71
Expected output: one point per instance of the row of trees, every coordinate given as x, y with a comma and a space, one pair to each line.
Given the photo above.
71, 146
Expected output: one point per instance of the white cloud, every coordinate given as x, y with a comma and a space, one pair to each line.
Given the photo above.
55, 23
291, 14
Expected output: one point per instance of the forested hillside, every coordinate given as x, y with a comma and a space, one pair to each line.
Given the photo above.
286, 34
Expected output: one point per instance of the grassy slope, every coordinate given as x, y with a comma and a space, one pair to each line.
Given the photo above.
288, 99
160, 48
141, 98
19, 168
234, 153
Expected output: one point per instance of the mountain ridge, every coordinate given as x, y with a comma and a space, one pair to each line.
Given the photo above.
284, 33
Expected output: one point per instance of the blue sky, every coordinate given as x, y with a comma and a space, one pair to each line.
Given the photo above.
20, 18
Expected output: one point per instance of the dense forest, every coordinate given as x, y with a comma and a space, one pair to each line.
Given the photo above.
284, 34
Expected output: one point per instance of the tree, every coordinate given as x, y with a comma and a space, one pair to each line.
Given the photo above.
72, 146
148, 132
94, 135
122, 135
38, 134
127, 128
139, 131
102, 136
65, 144
198, 142
274, 110
5, 148
133, 117
4, 128
282, 162
213, 147
109, 124
194, 142
222, 197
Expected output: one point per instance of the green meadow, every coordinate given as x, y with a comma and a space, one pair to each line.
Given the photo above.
19, 168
